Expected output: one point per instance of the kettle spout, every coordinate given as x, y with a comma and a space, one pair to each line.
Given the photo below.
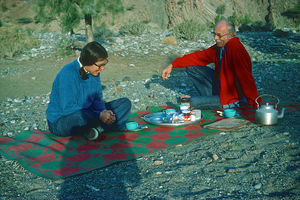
281, 114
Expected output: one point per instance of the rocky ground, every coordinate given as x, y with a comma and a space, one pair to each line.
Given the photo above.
255, 162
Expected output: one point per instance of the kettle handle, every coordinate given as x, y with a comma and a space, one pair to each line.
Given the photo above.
267, 95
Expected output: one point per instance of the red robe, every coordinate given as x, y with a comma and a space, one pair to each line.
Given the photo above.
236, 80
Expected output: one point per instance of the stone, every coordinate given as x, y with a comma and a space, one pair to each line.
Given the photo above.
158, 162
10, 134
215, 157
170, 40
117, 89
257, 186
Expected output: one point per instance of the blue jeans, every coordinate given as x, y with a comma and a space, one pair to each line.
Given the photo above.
81, 122
207, 92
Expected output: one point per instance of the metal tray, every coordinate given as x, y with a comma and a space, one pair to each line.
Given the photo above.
159, 118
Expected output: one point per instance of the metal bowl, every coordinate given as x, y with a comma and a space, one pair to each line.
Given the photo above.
160, 118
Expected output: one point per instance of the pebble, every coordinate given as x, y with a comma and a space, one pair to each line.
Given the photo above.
257, 186
232, 170
93, 188
158, 162
10, 134
215, 157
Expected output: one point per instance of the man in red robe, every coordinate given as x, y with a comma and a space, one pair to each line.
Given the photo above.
231, 83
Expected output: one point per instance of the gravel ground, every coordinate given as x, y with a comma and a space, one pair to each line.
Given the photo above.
255, 162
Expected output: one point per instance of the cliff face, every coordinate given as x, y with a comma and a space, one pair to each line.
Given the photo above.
167, 13
163, 14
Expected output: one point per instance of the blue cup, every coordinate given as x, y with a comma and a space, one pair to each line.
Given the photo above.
132, 126
229, 113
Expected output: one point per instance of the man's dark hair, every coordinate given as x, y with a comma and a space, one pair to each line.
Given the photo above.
91, 53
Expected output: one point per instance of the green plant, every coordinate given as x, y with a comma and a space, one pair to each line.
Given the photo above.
293, 13
220, 9
65, 45
179, 2
220, 12
102, 31
189, 30
246, 19
257, 26
130, 8
71, 13
218, 18
133, 28
240, 20
234, 18
15, 40
280, 33
3, 7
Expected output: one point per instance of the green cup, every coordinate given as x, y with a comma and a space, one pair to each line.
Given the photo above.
131, 126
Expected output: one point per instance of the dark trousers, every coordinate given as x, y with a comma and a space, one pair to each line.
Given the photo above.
81, 122
207, 92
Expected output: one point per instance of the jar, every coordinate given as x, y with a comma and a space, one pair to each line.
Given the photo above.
186, 101
183, 108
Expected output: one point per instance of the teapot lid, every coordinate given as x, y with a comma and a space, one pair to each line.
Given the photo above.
267, 108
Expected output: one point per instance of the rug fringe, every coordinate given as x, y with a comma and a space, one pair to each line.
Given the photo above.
18, 166
15, 164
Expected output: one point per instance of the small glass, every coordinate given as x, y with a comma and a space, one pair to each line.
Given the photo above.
186, 114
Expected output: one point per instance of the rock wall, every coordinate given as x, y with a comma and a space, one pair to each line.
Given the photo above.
167, 13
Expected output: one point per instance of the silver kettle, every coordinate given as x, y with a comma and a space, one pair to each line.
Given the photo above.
266, 114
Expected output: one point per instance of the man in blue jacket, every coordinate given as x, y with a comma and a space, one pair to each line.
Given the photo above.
76, 107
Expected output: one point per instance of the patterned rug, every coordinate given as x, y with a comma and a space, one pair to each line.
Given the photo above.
49, 156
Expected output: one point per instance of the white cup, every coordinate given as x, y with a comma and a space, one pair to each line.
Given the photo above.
193, 118
197, 113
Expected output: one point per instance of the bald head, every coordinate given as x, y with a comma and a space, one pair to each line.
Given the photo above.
224, 31
228, 24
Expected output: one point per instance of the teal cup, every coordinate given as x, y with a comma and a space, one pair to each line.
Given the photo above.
229, 113
132, 126
170, 111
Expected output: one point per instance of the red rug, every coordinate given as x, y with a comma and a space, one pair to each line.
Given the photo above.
49, 156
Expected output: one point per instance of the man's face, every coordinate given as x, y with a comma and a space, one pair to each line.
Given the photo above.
221, 34
96, 68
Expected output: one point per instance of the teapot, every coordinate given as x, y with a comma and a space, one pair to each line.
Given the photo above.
266, 114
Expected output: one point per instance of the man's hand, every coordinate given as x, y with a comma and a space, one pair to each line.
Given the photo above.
107, 116
166, 72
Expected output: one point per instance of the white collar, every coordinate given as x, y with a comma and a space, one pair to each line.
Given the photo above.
81, 65
79, 62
